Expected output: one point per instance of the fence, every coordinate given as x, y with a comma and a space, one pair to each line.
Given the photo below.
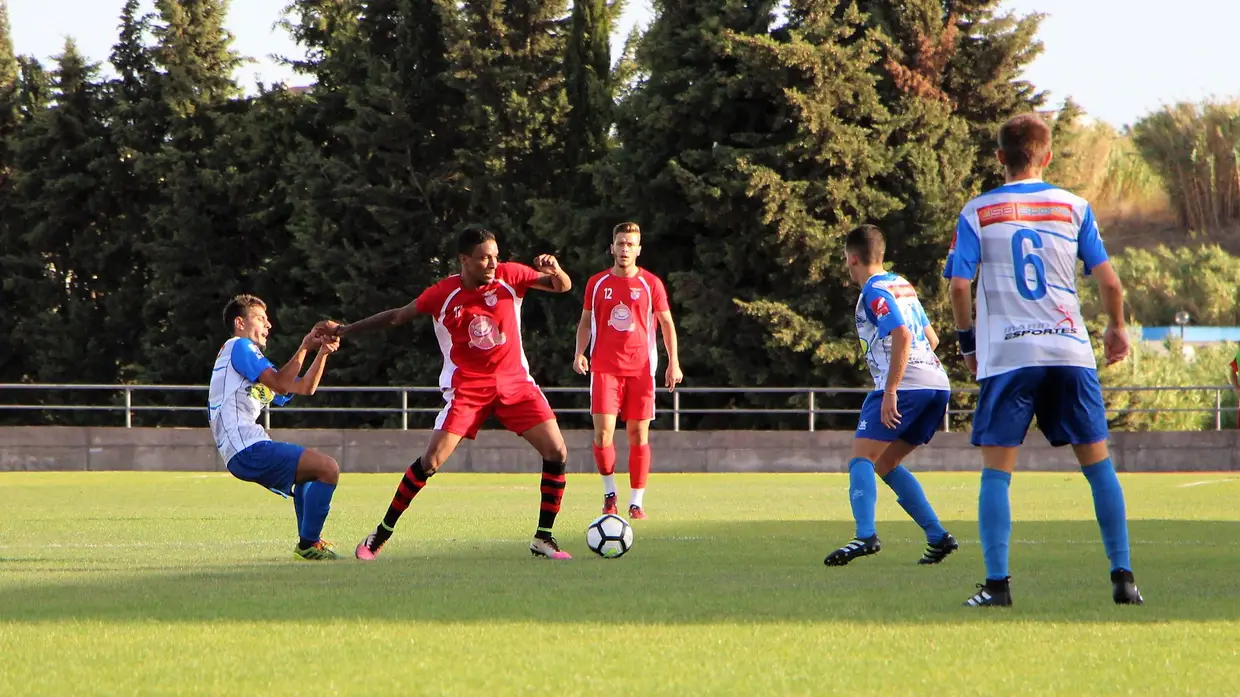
402, 407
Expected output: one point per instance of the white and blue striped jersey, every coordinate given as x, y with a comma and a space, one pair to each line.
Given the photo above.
888, 301
1027, 237
236, 398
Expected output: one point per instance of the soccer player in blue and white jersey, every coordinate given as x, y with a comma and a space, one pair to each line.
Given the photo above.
910, 397
243, 383
1030, 349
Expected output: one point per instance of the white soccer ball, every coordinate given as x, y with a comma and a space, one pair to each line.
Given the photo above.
609, 536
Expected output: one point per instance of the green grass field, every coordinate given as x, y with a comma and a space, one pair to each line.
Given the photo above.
167, 584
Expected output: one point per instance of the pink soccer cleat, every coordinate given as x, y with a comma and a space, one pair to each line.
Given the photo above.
367, 550
548, 548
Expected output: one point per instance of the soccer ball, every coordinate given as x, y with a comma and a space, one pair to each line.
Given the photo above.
609, 536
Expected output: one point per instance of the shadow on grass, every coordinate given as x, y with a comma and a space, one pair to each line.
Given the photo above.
678, 573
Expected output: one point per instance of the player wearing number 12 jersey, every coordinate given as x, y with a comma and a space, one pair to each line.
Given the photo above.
477, 320
1030, 350
617, 325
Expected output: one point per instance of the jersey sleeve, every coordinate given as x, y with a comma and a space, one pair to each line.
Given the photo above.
587, 303
1089, 247
882, 311
521, 277
431, 301
248, 360
966, 251
658, 303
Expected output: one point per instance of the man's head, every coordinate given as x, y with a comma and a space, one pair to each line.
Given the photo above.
864, 248
1024, 146
246, 316
479, 255
626, 244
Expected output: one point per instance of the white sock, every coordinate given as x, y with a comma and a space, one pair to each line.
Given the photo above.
636, 498
609, 484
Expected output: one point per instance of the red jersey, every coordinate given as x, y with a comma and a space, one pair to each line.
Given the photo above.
479, 330
622, 322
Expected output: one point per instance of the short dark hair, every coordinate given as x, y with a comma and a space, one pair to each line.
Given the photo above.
867, 242
624, 228
240, 306
1024, 141
471, 237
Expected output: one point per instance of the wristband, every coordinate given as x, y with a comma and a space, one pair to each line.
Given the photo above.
967, 340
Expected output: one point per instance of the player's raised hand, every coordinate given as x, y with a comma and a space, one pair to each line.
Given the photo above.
581, 364
330, 346
546, 263
326, 327
1115, 344
890, 414
312, 340
673, 377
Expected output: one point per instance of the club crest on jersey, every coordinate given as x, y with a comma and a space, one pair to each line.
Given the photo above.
490, 299
484, 334
621, 318
635, 293
261, 392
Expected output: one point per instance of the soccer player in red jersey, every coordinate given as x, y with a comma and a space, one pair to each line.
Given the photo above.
617, 327
477, 319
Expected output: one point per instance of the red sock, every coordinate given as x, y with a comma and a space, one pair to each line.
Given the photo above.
605, 459
639, 465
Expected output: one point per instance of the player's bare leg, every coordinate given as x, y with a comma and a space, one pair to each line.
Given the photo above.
549, 442
316, 480
1095, 460
994, 523
639, 465
605, 457
437, 453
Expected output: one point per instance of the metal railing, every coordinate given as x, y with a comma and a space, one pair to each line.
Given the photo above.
403, 408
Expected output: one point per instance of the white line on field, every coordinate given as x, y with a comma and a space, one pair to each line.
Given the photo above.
1209, 481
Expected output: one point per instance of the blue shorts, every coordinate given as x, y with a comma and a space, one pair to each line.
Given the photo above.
1066, 399
269, 464
921, 414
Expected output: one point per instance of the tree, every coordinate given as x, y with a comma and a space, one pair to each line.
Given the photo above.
15, 259
749, 151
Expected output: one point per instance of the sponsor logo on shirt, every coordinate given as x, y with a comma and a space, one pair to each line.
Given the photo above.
484, 334
879, 307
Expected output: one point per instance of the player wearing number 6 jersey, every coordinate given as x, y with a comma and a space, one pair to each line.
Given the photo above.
617, 326
1030, 349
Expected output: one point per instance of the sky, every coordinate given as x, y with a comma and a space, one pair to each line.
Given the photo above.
1119, 59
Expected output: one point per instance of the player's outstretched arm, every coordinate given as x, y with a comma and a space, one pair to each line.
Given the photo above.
308, 384
281, 381
581, 364
962, 312
384, 320
553, 279
672, 343
1111, 291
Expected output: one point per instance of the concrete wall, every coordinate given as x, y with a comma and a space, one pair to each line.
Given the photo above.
188, 449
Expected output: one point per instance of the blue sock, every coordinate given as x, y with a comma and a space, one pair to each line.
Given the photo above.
994, 522
863, 493
1109, 509
299, 503
318, 502
912, 499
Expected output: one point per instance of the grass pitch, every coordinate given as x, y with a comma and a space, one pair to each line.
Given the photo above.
185, 584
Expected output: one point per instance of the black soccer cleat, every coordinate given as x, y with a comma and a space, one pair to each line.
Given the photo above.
852, 550
991, 594
1124, 588
938, 551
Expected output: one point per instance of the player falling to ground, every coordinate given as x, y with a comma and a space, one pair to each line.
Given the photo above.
1031, 351
910, 397
477, 319
243, 382
617, 327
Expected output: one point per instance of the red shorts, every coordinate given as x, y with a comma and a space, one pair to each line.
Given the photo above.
629, 397
519, 405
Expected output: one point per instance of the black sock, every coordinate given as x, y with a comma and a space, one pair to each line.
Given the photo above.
303, 543
415, 478
552, 494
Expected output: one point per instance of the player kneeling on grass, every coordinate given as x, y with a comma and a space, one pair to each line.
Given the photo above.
477, 319
1031, 351
617, 326
243, 383
907, 406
